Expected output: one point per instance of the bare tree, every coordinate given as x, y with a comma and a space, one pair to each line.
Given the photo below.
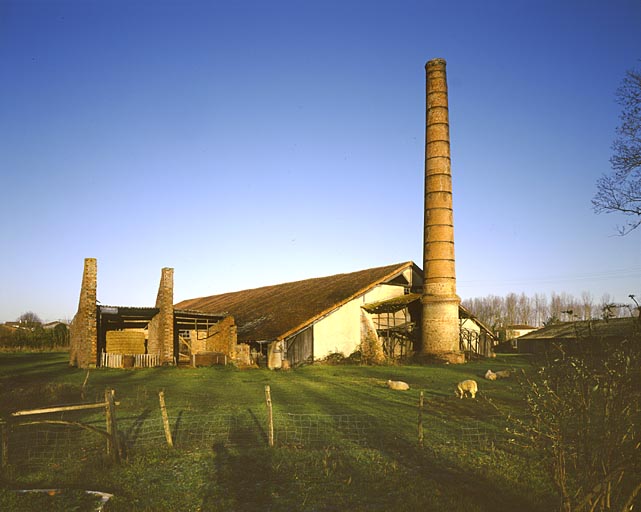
620, 191
541, 309
605, 306
29, 319
556, 307
499, 312
511, 302
588, 305
525, 311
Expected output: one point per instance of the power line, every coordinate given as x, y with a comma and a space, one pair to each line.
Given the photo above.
626, 273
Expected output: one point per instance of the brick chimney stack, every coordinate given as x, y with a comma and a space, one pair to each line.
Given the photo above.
83, 332
161, 327
440, 326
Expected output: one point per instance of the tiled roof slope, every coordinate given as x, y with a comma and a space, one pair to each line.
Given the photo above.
275, 312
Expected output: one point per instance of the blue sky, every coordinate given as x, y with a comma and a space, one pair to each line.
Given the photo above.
253, 143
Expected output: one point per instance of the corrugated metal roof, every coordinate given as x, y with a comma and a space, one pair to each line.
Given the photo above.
275, 312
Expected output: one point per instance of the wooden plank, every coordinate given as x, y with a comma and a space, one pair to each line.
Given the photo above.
61, 409
63, 422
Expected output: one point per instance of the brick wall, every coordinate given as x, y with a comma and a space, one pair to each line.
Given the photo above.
222, 337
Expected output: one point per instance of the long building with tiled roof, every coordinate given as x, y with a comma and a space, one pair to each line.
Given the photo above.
314, 316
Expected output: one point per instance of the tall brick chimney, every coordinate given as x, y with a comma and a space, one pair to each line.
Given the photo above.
83, 343
440, 326
161, 327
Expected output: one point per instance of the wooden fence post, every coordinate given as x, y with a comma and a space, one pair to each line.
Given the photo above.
113, 444
270, 416
420, 419
165, 419
4, 441
84, 386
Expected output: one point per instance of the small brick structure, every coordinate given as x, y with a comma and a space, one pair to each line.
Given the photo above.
125, 337
209, 359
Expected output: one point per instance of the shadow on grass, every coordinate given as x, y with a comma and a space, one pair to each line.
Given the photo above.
238, 481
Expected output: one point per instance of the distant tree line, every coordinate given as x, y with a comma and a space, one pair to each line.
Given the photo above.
539, 310
29, 333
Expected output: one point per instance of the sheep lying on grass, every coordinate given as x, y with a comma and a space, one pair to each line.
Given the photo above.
501, 374
468, 386
398, 385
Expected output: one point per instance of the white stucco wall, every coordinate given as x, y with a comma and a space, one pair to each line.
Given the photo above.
511, 333
340, 331
470, 325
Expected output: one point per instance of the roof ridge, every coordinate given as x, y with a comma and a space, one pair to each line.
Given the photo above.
282, 309
289, 283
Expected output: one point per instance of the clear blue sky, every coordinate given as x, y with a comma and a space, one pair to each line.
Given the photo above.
253, 143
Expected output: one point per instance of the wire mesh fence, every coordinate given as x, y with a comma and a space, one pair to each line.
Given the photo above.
191, 428
319, 430
40, 445
477, 435
50, 445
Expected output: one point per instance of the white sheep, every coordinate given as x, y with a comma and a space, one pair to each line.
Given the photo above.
469, 386
490, 375
398, 385
503, 374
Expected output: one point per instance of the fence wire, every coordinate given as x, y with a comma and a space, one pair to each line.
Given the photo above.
44, 445
476, 435
318, 430
40, 445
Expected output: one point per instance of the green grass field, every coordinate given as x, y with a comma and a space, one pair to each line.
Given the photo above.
383, 469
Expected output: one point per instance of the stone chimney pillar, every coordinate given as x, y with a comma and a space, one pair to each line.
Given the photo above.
440, 325
83, 342
161, 327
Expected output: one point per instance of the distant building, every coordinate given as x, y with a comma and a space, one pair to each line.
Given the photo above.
53, 325
614, 329
511, 333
